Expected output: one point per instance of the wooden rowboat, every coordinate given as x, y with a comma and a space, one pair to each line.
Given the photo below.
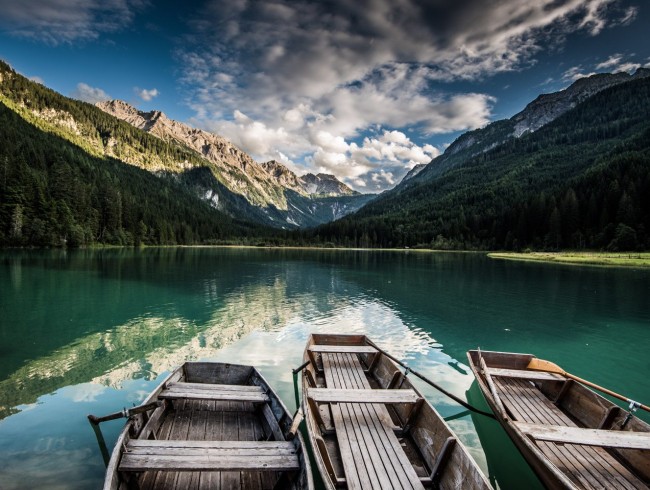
572, 437
370, 428
217, 426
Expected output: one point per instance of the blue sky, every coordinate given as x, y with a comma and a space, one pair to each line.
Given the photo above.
363, 90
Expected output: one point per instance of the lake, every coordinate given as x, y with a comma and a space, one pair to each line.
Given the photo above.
93, 331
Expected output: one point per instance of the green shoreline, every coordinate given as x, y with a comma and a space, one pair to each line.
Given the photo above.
609, 259
603, 259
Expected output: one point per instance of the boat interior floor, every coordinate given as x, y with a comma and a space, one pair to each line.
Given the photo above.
586, 466
210, 420
372, 455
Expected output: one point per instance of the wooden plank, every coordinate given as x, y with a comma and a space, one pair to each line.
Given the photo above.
214, 432
362, 420
371, 454
247, 420
214, 387
587, 466
524, 374
587, 437
347, 395
442, 459
187, 480
493, 389
208, 462
230, 479
239, 396
272, 422
356, 475
281, 447
358, 421
343, 349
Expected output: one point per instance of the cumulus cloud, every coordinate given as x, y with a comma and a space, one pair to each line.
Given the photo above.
616, 63
375, 163
145, 94
613, 64
336, 70
66, 21
89, 94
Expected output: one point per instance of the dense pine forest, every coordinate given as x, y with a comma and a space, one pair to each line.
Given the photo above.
581, 182
54, 193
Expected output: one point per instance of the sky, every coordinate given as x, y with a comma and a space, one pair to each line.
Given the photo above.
362, 89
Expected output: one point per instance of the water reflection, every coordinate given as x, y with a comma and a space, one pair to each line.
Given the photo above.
146, 347
93, 331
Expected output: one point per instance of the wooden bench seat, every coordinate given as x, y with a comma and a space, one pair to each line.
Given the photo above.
201, 391
146, 455
586, 437
525, 374
371, 454
343, 349
350, 395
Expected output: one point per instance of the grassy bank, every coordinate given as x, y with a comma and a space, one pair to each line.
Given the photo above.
618, 259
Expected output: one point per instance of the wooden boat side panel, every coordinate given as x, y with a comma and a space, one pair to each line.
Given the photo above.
216, 372
337, 339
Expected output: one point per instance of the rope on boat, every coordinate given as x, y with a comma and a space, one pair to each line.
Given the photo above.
431, 383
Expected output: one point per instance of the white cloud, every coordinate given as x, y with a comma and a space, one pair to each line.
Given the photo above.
629, 16
328, 142
613, 64
89, 94
335, 71
381, 161
66, 21
146, 95
381, 177
256, 138
37, 79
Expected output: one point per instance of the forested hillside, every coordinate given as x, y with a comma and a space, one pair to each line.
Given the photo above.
56, 193
582, 181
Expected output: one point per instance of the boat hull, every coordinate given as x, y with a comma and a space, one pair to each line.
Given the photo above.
406, 439
216, 424
570, 404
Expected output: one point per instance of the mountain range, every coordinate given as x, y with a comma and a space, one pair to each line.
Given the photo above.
572, 170
272, 194
569, 170
207, 165
543, 110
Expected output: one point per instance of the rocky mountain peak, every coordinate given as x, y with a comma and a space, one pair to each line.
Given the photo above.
283, 176
414, 171
541, 111
326, 185
548, 107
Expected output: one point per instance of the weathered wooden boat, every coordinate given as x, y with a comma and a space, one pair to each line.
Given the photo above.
572, 437
216, 426
370, 428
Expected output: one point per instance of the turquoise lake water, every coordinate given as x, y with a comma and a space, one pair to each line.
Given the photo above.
94, 331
